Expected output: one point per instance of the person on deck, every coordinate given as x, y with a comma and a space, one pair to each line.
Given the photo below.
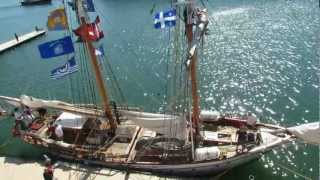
18, 119
27, 114
251, 120
48, 171
51, 129
16, 36
58, 132
242, 137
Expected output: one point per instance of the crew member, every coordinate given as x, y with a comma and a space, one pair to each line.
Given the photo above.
18, 119
251, 120
58, 131
16, 36
242, 138
48, 171
27, 114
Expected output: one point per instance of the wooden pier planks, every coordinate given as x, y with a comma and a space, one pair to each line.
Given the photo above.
22, 39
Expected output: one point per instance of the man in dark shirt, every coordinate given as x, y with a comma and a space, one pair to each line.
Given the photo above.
242, 138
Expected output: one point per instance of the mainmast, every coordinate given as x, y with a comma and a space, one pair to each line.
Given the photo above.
81, 15
194, 38
192, 66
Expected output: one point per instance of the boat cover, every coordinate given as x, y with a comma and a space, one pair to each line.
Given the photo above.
72, 121
310, 133
207, 153
169, 125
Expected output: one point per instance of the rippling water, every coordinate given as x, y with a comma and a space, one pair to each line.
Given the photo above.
259, 56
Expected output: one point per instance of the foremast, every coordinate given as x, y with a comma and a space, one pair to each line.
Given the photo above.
82, 17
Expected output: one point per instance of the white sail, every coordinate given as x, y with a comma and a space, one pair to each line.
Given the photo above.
310, 133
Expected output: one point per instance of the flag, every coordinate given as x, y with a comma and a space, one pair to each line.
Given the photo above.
99, 51
56, 48
88, 5
57, 20
165, 19
90, 32
69, 67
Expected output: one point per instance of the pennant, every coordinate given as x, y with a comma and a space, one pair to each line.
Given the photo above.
99, 51
56, 48
88, 5
57, 20
165, 19
90, 32
68, 68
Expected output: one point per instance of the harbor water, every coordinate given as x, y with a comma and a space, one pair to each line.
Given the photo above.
258, 56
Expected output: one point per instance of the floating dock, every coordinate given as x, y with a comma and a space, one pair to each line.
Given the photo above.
20, 40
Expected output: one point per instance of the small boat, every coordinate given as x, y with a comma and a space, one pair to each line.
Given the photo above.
34, 2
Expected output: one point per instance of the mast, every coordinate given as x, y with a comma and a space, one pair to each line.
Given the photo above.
194, 37
193, 69
81, 15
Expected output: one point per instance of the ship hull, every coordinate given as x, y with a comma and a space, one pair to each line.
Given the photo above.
188, 170
194, 168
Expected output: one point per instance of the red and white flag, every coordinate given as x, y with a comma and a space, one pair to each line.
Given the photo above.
90, 32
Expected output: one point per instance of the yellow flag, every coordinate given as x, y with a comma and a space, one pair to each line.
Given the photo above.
57, 20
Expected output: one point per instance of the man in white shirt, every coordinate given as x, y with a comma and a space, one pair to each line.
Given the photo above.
251, 120
58, 131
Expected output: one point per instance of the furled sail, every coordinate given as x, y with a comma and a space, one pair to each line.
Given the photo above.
12, 101
59, 105
310, 133
168, 125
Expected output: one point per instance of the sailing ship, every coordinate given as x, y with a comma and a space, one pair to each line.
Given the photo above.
184, 141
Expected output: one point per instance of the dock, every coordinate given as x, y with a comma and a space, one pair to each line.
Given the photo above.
20, 39
17, 169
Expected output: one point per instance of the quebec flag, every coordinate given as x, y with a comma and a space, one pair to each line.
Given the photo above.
68, 68
165, 19
56, 48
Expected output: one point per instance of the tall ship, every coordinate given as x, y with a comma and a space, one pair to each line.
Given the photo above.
182, 140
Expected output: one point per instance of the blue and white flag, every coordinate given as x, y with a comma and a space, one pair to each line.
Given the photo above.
99, 51
68, 68
88, 5
165, 19
56, 48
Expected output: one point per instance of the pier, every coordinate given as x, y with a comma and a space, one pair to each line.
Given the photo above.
20, 39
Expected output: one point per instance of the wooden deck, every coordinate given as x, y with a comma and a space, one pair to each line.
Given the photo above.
21, 39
